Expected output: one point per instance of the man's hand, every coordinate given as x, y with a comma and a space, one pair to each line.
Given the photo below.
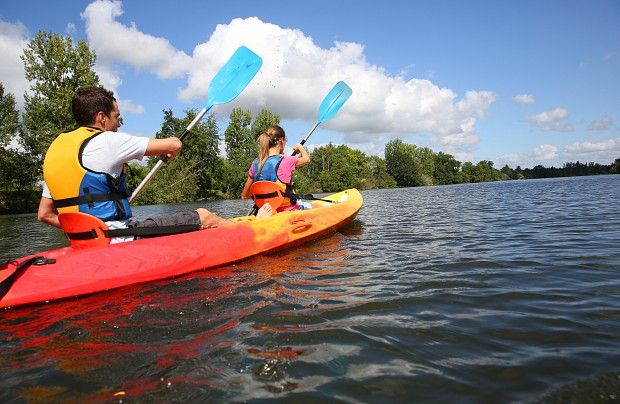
47, 212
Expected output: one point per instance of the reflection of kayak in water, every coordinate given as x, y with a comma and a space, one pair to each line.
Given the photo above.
68, 272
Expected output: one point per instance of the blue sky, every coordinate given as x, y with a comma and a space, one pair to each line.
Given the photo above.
514, 82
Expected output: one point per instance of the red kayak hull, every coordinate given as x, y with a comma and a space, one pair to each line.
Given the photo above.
78, 272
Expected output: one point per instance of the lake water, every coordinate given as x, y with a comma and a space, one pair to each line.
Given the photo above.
493, 292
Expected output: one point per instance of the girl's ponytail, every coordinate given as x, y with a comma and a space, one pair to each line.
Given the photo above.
269, 138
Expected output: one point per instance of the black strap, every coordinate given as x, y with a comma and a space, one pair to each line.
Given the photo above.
254, 210
267, 195
6, 284
312, 198
136, 232
289, 192
152, 231
89, 199
82, 235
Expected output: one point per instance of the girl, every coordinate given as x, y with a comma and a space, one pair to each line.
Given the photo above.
272, 165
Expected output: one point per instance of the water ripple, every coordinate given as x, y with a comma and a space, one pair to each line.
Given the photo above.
479, 293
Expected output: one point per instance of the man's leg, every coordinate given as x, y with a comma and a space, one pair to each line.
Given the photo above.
210, 219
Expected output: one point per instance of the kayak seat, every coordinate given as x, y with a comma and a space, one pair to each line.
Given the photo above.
83, 230
266, 191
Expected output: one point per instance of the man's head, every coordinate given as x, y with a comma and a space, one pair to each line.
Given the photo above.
96, 106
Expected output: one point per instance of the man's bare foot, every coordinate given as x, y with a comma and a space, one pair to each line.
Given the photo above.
265, 211
209, 219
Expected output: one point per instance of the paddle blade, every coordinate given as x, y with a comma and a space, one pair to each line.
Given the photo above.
333, 101
233, 77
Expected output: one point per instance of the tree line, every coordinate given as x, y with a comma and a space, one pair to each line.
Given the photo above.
56, 66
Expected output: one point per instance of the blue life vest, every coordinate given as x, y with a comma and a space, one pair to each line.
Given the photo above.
75, 188
269, 172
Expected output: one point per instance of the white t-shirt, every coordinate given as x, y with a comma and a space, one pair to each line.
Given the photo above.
108, 152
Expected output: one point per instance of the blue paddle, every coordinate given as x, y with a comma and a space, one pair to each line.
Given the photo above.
227, 84
333, 101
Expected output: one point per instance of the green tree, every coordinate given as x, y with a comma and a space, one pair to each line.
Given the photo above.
426, 157
518, 174
238, 137
241, 146
507, 172
539, 171
380, 176
334, 168
9, 117
446, 169
55, 67
191, 175
615, 167
485, 172
262, 121
135, 173
17, 177
200, 152
468, 173
241, 149
403, 164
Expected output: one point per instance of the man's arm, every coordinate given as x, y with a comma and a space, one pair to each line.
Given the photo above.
169, 146
47, 212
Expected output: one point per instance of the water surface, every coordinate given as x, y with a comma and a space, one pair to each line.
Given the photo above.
493, 292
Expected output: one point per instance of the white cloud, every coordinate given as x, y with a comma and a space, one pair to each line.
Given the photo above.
476, 102
70, 28
374, 147
602, 124
611, 55
108, 76
464, 135
464, 156
610, 145
295, 76
526, 159
554, 120
524, 99
13, 40
603, 152
127, 106
114, 42
509, 159
546, 152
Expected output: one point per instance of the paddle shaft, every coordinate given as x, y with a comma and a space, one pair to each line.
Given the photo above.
330, 105
164, 158
227, 84
307, 137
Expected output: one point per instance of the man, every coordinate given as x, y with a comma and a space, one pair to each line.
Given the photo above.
84, 168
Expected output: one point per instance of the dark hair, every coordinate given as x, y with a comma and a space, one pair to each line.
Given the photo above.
88, 101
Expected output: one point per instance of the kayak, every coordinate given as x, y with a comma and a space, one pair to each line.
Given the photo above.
69, 272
